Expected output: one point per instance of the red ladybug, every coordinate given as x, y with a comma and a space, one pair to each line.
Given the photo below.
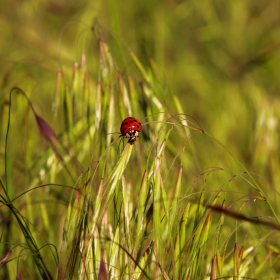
130, 128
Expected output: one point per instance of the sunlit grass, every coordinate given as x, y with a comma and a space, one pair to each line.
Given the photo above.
195, 197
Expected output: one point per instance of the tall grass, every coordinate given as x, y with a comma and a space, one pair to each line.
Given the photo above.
79, 202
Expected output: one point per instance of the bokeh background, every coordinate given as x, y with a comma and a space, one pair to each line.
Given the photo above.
220, 58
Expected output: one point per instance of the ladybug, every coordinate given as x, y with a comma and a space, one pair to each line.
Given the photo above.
130, 128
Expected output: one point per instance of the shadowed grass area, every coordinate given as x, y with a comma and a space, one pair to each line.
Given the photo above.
196, 197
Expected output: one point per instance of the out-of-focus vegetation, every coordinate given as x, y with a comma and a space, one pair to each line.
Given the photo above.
84, 66
221, 60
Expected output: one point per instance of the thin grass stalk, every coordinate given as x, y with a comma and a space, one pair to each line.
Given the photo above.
111, 184
200, 244
125, 96
183, 241
75, 226
68, 109
106, 193
196, 246
140, 67
38, 259
134, 95
174, 204
172, 215
94, 256
165, 222
220, 225
111, 118
141, 218
157, 213
114, 255
199, 209
59, 91
251, 177
128, 235
235, 261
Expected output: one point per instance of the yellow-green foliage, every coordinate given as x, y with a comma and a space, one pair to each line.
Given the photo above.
196, 197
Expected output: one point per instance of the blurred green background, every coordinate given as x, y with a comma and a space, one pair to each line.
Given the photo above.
220, 58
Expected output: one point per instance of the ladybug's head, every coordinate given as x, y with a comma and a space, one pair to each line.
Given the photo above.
132, 136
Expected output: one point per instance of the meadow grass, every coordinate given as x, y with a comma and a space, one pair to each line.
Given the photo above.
79, 202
